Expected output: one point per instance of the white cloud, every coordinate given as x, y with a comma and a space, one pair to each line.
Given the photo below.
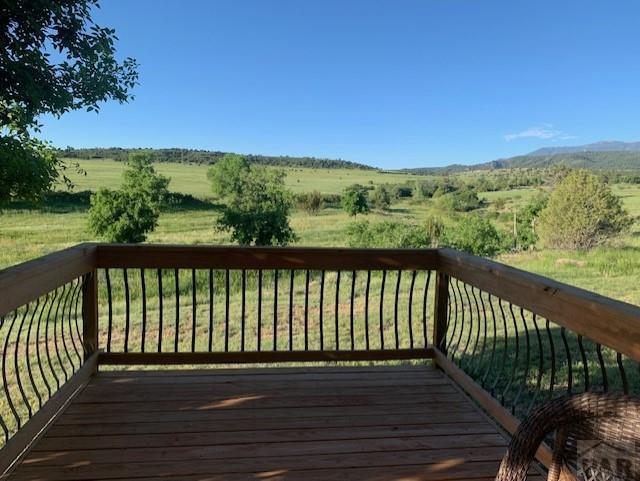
540, 131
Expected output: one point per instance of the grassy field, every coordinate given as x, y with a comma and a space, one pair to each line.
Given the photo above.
25, 234
192, 179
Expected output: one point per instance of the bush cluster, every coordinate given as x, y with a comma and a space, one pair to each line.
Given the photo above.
129, 214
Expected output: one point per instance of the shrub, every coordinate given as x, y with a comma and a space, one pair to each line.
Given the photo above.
463, 200
311, 202
444, 187
402, 191
355, 200
582, 212
380, 198
129, 214
475, 235
526, 220
499, 203
434, 229
426, 189
257, 205
394, 234
334, 200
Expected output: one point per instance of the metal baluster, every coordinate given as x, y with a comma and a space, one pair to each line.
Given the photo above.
127, 309
395, 311
243, 308
55, 330
212, 308
452, 345
623, 374
337, 309
291, 292
351, 315
527, 364
7, 391
540, 366
585, 366
366, 310
321, 310
516, 357
424, 311
552, 355
176, 274
16, 350
306, 310
160, 306
259, 340
46, 335
194, 309
144, 310
603, 369
110, 308
226, 310
34, 387
410, 308
38, 344
275, 311
569, 363
464, 352
384, 277
493, 344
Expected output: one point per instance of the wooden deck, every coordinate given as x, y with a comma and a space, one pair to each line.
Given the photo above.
343, 423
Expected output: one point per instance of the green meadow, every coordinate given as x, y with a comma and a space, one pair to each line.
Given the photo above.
27, 232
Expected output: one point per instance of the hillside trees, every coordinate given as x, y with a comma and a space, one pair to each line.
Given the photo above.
83, 73
129, 214
582, 212
210, 157
257, 205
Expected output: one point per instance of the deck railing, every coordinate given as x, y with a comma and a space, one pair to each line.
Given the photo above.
511, 339
182, 305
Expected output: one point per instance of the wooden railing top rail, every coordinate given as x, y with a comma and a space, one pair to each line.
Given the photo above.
27, 281
609, 322
224, 257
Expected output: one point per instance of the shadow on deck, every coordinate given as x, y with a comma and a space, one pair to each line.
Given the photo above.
364, 423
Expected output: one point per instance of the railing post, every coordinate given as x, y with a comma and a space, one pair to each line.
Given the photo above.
440, 311
90, 314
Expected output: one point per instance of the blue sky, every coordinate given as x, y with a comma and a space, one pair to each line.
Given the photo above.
394, 83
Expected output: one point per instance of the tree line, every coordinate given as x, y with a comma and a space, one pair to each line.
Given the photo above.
206, 157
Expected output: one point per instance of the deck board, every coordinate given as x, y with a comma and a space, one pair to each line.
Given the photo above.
370, 423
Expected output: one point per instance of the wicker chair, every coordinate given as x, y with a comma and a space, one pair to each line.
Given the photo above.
597, 437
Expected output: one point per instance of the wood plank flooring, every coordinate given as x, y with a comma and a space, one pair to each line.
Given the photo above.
347, 423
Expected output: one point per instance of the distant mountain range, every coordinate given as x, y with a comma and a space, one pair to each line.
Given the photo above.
608, 155
604, 146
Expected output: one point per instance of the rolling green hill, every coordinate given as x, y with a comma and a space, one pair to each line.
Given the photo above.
208, 157
609, 161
